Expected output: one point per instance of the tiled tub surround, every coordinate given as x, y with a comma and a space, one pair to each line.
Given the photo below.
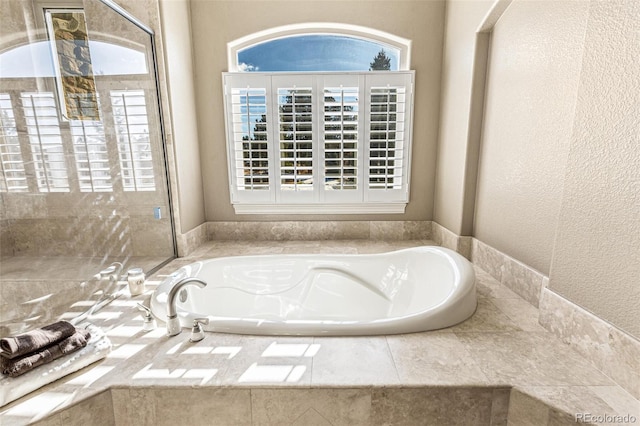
445, 238
517, 276
34, 290
610, 350
303, 231
499, 367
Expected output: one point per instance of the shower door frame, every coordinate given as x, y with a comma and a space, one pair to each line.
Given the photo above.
165, 158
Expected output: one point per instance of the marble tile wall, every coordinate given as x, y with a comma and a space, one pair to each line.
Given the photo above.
523, 280
611, 350
352, 406
188, 242
24, 304
320, 230
87, 236
571, 405
525, 410
338, 406
6, 238
445, 238
302, 230
96, 411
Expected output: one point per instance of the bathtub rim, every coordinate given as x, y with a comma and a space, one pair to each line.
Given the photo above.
462, 299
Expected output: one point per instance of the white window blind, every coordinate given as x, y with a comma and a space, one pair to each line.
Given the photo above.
134, 147
341, 111
249, 130
45, 139
295, 112
58, 151
295, 136
14, 178
249, 145
388, 140
92, 157
315, 143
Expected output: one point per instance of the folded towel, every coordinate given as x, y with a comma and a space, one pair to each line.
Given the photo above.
35, 340
98, 346
17, 366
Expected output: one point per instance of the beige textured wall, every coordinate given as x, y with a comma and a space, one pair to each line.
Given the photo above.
596, 262
176, 24
215, 23
463, 18
534, 69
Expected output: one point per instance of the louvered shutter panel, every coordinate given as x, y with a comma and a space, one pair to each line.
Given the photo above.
249, 128
319, 139
388, 140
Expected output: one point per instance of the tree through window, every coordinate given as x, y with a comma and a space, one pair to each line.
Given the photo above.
319, 53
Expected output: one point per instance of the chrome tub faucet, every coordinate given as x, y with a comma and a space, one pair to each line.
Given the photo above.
173, 322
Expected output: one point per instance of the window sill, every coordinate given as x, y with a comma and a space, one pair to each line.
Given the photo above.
289, 209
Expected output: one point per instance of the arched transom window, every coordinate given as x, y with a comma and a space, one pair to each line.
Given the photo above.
319, 47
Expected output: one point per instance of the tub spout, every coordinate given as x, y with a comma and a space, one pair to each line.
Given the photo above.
173, 322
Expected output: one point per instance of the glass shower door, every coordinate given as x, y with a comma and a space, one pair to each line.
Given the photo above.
83, 176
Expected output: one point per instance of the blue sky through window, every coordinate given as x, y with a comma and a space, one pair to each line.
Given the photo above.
35, 60
314, 53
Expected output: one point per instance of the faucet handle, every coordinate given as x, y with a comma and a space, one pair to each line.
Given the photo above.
149, 321
143, 308
197, 333
204, 321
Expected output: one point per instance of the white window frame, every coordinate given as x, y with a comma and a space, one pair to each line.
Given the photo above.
275, 200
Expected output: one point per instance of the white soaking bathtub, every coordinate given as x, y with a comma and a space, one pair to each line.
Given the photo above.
404, 291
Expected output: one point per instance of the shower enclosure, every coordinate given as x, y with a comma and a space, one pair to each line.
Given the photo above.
83, 176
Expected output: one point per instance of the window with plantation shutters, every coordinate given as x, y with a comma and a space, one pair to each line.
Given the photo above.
319, 142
